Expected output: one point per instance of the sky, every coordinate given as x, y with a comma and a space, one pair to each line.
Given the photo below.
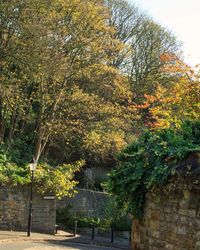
182, 17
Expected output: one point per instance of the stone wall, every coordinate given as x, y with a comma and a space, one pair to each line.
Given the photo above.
93, 177
85, 203
171, 221
14, 208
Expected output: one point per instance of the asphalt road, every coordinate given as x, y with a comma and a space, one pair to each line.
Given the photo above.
50, 246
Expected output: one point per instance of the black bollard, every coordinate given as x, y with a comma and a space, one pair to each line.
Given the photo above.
75, 227
130, 236
112, 234
93, 228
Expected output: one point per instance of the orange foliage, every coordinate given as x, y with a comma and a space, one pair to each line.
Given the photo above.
169, 106
166, 57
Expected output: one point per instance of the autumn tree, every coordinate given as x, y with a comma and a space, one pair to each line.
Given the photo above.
57, 79
171, 105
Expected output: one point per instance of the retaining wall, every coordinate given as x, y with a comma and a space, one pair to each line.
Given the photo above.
14, 209
85, 203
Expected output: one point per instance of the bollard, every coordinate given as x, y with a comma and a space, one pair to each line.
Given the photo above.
112, 234
93, 228
130, 232
75, 228
56, 229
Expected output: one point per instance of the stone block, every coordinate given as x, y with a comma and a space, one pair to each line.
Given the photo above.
183, 204
181, 230
167, 209
198, 235
183, 212
155, 234
169, 246
186, 194
184, 220
154, 225
155, 215
195, 224
175, 217
168, 217
192, 213
197, 246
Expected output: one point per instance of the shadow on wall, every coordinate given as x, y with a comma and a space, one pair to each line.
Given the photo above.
84, 203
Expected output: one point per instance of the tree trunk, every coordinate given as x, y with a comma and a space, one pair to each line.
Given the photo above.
2, 128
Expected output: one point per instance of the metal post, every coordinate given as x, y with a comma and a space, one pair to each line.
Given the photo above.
75, 228
30, 206
93, 228
130, 236
112, 234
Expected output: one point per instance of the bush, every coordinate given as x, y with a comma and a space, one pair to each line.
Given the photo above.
58, 180
67, 220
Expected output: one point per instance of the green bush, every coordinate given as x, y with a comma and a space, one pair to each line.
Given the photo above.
88, 221
58, 180
66, 218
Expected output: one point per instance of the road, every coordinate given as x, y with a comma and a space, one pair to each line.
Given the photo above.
50, 246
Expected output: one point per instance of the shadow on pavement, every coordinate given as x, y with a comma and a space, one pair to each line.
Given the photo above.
98, 241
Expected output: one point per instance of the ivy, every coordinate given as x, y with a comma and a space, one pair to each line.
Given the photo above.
148, 162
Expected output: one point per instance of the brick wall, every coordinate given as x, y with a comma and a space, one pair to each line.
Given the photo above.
14, 208
171, 221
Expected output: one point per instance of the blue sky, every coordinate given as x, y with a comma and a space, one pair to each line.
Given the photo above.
182, 17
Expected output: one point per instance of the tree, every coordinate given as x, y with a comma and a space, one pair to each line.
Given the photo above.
59, 71
173, 104
146, 43
149, 44
126, 19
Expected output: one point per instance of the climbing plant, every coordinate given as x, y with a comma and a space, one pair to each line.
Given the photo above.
148, 162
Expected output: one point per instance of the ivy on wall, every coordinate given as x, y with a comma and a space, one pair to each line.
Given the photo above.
148, 162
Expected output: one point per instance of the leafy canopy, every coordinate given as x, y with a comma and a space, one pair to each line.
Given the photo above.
58, 89
177, 101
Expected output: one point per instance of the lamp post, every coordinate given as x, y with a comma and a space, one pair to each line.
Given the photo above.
32, 167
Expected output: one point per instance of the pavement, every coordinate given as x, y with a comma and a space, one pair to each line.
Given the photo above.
51, 246
62, 237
